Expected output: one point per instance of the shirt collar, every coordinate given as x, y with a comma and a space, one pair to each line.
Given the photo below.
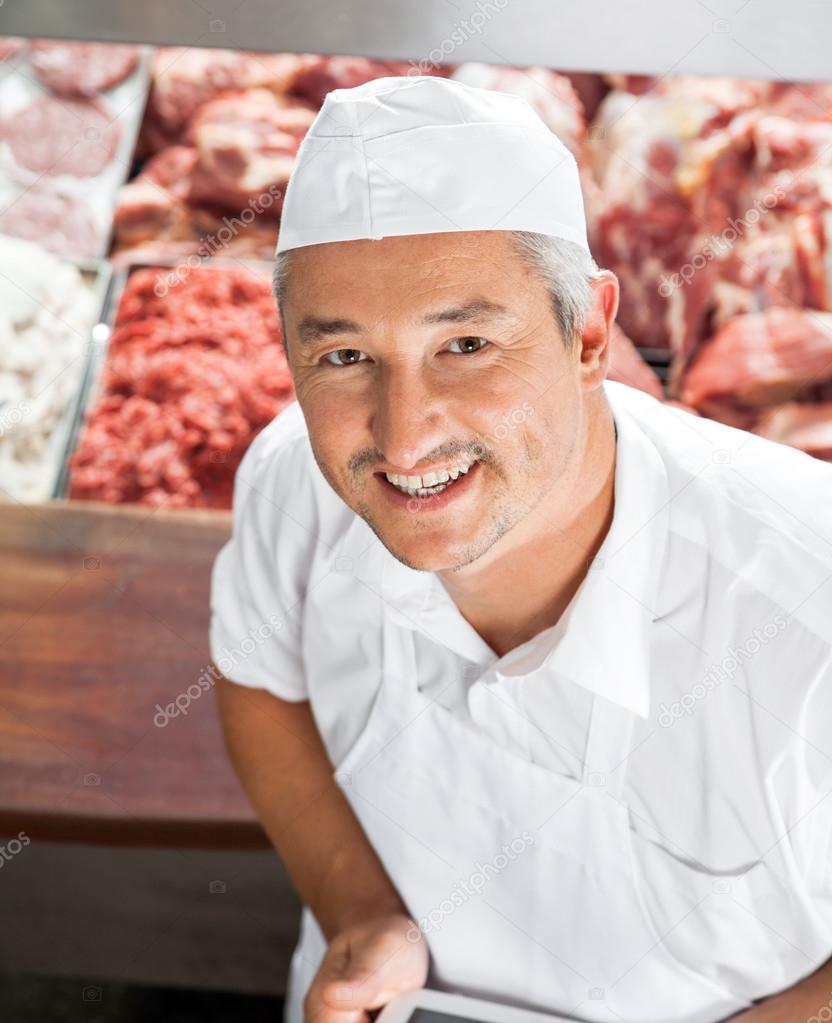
602, 640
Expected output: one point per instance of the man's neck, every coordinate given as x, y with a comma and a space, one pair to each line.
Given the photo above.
527, 589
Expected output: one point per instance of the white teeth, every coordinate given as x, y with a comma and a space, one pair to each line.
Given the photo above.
432, 479
429, 484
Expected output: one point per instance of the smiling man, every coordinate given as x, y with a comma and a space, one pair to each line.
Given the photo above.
526, 674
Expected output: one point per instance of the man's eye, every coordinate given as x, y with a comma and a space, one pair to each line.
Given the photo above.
470, 345
351, 356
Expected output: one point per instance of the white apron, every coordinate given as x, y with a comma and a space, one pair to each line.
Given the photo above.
521, 879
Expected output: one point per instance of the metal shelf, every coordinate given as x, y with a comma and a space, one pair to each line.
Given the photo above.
772, 39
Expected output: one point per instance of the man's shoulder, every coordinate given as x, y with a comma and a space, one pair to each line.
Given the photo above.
734, 492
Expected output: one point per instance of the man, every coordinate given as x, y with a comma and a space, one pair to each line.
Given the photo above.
532, 672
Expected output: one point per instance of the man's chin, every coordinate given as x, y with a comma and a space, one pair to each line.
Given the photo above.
423, 553
421, 557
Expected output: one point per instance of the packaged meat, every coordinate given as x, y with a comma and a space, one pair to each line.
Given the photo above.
47, 309
192, 373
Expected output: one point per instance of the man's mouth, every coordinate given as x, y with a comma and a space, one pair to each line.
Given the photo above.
432, 482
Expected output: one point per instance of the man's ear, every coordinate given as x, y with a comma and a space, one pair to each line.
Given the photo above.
597, 334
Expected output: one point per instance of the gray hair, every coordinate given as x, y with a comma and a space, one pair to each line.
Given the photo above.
566, 269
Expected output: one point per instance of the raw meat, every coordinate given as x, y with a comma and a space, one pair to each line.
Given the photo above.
802, 425
59, 222
715, 200
190, 378
147, 212
185, 78
82, 69
158, 217
172, 169
246, 144
591, 90
321, 75
68, 136
669, 165
758, 360
636, 84
152, 207
46, 311
628, 367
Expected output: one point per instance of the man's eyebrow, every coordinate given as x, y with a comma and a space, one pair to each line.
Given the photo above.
473, 310
311, 328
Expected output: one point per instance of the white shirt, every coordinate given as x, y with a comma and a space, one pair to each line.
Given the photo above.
713, 585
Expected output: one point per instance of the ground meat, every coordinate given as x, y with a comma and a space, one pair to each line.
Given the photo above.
82, 69
51, 136
191, 377
61, 223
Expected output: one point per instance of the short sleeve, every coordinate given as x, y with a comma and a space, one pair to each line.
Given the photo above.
259, 578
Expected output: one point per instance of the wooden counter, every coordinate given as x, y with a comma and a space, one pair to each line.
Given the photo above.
104, 614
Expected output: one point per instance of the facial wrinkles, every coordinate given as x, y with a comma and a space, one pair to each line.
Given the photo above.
522, 502
525, 363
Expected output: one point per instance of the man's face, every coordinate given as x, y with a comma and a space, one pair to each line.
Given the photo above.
426, 353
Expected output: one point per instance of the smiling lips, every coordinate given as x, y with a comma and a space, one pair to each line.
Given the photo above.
430, 483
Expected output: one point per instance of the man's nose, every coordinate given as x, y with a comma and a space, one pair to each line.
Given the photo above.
409, 417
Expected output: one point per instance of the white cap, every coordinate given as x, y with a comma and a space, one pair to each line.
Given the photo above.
421, 154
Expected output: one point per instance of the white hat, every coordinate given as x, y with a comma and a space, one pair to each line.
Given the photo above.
421, 154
